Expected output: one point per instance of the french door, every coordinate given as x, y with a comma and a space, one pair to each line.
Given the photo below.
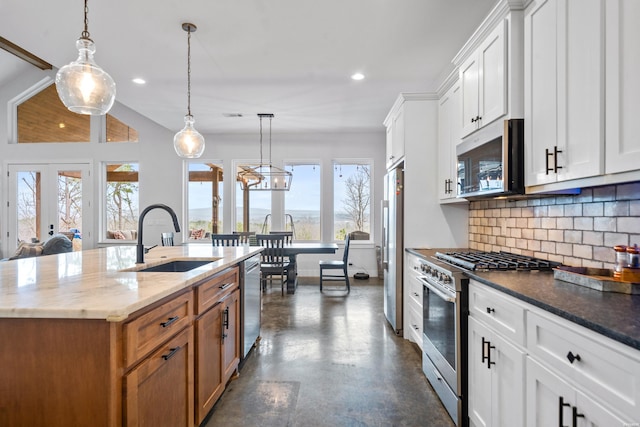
45, 199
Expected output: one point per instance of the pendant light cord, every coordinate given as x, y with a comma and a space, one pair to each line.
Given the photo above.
260, 140
85, 34
189, 71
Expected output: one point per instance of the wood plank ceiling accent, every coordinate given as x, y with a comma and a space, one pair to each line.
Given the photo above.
43, 118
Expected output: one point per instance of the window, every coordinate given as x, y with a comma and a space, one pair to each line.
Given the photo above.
121, 196
302, 202
43, 118
205, 200
351, 199
253, 210
118, 131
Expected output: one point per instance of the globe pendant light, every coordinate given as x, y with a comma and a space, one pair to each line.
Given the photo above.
84, 87
189, 142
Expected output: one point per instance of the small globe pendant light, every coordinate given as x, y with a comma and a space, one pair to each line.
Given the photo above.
189, 143
84, 87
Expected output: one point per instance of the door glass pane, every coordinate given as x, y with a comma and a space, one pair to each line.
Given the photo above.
351, 202
122, 201
302, 202
70, 206
29, 206
205, 200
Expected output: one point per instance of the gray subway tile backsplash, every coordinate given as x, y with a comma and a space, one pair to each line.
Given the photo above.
577, 230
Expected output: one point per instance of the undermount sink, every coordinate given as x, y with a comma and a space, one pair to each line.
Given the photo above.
176, 266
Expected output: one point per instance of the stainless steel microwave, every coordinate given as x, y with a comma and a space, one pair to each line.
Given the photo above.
492, 167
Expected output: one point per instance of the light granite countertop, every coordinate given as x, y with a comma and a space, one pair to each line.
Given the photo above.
103, 283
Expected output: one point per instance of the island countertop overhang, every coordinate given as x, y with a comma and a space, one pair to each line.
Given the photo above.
103, 283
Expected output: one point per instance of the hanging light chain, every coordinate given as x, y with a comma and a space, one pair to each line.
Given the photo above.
85, 34
189, 70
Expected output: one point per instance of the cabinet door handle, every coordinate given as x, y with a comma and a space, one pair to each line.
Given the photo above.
555, 158
172, 352
487, 344
226, 285
491, 310
225, 318
575, 417
547, 154
573, 357
561, 406
169, 321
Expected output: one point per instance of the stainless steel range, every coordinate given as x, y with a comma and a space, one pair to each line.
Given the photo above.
445, 310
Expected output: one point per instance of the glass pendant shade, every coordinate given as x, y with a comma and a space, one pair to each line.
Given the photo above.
84, 87
188, 142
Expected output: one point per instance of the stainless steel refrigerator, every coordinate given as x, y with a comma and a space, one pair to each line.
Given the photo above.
392, 246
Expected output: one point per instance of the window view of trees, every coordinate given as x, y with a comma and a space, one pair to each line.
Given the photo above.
122, 207
302, 202
351, 205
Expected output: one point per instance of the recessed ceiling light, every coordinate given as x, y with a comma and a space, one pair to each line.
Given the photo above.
139, 81
357, 76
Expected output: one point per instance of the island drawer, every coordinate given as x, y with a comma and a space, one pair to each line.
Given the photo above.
215, 288
149, 330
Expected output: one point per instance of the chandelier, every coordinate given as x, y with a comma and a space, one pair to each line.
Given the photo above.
264, 176
189, 143
84, 87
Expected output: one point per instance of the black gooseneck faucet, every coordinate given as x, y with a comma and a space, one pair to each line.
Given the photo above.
140, 251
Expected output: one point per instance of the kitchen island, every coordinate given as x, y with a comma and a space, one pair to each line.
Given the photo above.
89, 340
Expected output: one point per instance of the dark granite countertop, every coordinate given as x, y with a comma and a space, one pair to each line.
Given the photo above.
614, 315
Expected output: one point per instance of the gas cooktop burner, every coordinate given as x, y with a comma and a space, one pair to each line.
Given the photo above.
482, 261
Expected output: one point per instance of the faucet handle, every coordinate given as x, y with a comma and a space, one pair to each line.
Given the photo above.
146, 250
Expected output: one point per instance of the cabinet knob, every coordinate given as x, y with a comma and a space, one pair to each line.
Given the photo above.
491, 310
573, 357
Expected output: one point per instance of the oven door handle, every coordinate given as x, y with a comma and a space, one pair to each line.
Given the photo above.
438, 292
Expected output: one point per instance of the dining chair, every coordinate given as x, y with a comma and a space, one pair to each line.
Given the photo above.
225, 239
167, 239
247, 237
273, 263
288, 236
337, 265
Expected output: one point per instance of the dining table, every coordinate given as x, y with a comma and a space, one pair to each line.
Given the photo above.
292, 250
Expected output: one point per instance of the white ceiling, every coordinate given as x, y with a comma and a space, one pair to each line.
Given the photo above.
292, 58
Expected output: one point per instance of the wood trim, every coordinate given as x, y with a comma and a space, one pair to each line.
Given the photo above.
23, 54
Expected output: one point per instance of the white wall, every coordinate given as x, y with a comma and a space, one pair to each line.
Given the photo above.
161, 171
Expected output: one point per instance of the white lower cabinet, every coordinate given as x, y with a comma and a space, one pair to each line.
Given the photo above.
574, 376
413, 316
552, 401
496, 378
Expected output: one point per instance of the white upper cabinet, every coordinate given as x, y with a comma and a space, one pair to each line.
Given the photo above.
581, 93
395, 135
483, 76
564, 90
622, 85
448, 137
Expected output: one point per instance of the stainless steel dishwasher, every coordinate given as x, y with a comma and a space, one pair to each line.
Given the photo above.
251, 303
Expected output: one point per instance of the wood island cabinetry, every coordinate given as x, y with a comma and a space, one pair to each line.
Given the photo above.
164, 365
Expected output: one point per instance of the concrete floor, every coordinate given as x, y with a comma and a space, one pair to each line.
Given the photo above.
329, 360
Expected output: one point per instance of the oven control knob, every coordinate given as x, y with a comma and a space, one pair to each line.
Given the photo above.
447, 279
